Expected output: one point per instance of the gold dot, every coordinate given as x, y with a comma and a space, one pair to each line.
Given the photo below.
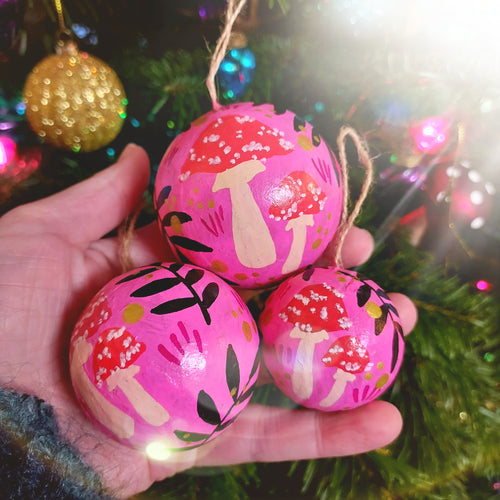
210, 203
329, 216
247, 331
176, 224
234, 313
218, 266
200, 204
320, 228
380, 365
304, 142
241, 276
196, 190
382, 381
255, 274
373, 310
368, 376
191, 203
133, 313
316, 243
326, 231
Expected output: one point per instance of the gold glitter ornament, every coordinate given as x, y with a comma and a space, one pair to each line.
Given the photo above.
74, 100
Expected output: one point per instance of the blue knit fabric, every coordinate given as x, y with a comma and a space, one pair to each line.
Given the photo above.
35, 462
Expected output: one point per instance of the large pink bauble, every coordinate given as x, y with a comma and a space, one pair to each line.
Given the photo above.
250, 194
332, 340
164, 356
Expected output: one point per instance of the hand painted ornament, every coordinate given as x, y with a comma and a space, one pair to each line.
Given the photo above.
250, 194
164, 356
332, 340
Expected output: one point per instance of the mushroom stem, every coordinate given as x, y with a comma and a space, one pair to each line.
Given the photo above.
302, 375
341, 379
118, 422
253, 242
299, 234
145, 405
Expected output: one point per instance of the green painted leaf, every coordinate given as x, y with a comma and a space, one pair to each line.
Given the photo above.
207, 410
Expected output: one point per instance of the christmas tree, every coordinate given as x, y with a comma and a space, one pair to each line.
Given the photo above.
419, 82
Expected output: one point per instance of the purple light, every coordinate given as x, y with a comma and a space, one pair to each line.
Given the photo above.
482, 285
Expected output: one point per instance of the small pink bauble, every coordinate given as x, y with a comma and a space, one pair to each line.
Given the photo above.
164, 356
332, 340
250, 194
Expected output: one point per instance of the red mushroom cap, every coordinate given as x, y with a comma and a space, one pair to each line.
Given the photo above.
116, 349
315, 308
93, 317
348, 354
231, 140
297, 195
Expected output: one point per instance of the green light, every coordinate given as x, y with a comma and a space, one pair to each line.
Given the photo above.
123, 115
125, 101
170, 124
489, 357
393, 159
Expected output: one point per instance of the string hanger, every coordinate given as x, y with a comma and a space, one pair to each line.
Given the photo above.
334, 249
233, 10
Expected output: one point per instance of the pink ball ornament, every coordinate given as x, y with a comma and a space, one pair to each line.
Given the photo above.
249, 194
164, 356
332, 340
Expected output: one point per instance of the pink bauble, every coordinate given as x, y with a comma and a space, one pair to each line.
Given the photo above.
332, 340
249, 194
164, 356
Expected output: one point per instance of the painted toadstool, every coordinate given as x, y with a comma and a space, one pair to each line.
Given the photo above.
115, 352
314, 311
349, 355
296, 200
236, 148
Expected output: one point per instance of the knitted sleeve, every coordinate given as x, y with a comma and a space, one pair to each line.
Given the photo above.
35, 461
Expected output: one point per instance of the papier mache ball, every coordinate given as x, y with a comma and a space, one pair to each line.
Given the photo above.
250, 194
332, 340
164, 357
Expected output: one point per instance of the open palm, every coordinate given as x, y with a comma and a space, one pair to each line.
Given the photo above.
53, 259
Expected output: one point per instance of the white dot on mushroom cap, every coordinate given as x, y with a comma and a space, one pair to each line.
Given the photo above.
453, 172
476, 198
477, 223
474, 176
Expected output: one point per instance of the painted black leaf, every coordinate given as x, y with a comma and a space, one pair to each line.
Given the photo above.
393, 309
181, 217
382, 294
189, 244
156, 286
363, 294
298, 123
232, 373
175, 267
316, 138
307, 274
191, 437
398, 332
381, 321
209, 294
164, 194
174, 305
207, 410
255, 366
245, 395
227, 423
131, 277
193, 276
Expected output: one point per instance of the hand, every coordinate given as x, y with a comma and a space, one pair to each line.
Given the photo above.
53, 259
